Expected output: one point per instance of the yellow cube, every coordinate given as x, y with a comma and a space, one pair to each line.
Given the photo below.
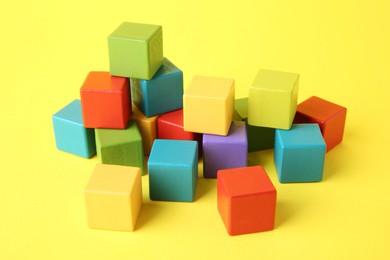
208, 105
113, 197
272, 99
147, 127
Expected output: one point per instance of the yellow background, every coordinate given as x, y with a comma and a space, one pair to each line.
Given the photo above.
340, 49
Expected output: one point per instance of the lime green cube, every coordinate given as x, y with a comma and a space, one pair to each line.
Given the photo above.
135, 50
272, 99
120, 146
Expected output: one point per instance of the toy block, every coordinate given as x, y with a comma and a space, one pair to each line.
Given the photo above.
162, 94
173, 170
70, 134
208, 105
272, 99
329, 116
113, 197
120, 146
246, 200
135, 50
299, 153
259, 138
225, 152
147, 127
170, 126
105, 101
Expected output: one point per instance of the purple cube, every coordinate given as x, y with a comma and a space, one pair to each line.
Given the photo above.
225, 152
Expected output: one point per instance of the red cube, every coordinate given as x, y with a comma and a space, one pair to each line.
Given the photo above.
246, 200
329, 116
170, 126
105, 101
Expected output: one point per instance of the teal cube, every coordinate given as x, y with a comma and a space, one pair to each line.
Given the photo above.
299, 153
259, 138
70, 134
135, 50
162, 94
173, 170
120, 146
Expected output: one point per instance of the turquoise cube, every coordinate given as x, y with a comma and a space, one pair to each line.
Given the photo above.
70, 134
135, 50
299, 153
259, 138
173, 170
162, 94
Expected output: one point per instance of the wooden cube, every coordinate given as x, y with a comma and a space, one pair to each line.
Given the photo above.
162, 94
173, 170
70, 134
208, 105
299, 153
147, 127
113, 197
329, 116
105, 101
135, 50
246, 200
120, 146
224, 152
273, 99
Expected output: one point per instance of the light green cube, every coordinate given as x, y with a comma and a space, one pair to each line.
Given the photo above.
135, 50
272, 99
120, 146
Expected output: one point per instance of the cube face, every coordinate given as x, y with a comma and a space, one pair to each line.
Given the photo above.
208, 105
173, 170
113, 197
329, 116
135, 50
224, 152
105, 101
70, 134
120, 146
166, 83
170, 126
299, 153
246, 200
259, 138
273, 99
147, 127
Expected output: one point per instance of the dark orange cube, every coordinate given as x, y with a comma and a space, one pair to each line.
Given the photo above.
246, 200
329, 116
105, 101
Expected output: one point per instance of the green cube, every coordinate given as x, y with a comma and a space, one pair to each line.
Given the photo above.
120, 146
135, 50
272, 99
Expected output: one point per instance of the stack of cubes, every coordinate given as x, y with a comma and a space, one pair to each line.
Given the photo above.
139, 109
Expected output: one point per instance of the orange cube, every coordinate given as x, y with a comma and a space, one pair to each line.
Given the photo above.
105, 101
246, 200
329, 116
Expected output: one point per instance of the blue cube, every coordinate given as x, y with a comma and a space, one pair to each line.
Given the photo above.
162, 94
70, 134
299, 153
173, 170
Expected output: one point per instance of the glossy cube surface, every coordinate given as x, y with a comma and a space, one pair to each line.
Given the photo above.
173, 170
70, 134
246, 200
273, 99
